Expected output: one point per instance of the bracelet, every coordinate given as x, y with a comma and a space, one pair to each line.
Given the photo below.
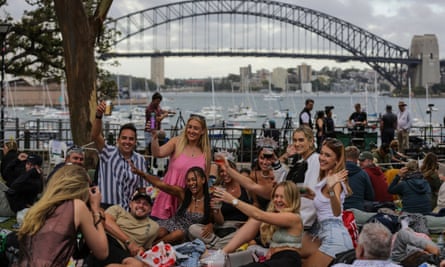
99, 117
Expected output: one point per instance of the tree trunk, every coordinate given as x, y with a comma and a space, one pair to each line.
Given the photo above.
79, 33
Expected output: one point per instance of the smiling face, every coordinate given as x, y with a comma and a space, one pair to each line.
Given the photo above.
279, 200
194, 182
264, 163
194, 130
126, 142
140, 208
301, 143
328, 159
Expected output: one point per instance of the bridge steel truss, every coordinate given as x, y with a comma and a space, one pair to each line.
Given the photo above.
388, 59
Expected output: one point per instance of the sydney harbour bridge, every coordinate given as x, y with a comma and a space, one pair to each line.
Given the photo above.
256, 28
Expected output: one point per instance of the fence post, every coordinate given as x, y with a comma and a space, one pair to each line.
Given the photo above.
27, 139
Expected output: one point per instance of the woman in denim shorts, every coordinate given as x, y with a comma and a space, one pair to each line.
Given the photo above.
331, 237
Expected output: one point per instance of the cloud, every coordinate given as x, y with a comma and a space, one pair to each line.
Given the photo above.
395, 20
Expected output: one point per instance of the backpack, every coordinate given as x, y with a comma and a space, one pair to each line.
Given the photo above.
390, 221
417, 222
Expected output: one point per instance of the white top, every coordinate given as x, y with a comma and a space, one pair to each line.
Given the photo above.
323, 203
307, 208
403, 120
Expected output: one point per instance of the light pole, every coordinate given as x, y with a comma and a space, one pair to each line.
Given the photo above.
4, 29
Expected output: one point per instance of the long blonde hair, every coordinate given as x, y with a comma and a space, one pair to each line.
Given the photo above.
68, 183
203, 142
292, 198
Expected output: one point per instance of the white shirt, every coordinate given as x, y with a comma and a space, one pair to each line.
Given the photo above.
307, 208
403, 120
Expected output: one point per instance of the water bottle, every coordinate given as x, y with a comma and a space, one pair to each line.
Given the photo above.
153, 120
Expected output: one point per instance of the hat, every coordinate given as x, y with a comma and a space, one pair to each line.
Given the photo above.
141, 192
365, 155
401, 103
35, 160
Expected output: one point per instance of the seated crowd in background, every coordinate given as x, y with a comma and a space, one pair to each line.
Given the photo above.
259, 207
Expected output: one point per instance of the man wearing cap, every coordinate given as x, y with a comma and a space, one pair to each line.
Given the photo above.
130, 232
388, 125
377, 177
403, 127
24, 190
74, 155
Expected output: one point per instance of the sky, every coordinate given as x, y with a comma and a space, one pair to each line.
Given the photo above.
394, 20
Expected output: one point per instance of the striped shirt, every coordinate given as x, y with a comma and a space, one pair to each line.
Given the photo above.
116, 181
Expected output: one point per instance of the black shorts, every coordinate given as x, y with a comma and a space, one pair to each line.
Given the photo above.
116, 254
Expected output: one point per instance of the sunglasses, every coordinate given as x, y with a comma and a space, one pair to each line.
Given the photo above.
193, 115
75, 149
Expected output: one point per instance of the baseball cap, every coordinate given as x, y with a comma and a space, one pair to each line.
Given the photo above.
365, 155
141, 192
401, 103
35, 159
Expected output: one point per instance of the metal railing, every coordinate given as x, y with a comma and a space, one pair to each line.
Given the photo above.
34, 135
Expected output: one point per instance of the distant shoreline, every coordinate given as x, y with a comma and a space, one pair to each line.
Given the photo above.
31, 96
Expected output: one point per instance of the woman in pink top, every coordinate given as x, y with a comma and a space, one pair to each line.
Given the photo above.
190, 149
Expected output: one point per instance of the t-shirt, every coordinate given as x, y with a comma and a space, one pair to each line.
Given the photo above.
141, 231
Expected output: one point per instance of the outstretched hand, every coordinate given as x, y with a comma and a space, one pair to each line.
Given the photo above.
334, 178
134, 169
223, 195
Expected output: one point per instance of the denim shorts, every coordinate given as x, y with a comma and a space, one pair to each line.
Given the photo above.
334, 237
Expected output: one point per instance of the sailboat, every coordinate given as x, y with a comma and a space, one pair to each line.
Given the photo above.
212, 113
271, 96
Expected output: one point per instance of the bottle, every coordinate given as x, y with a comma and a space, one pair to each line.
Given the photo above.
153, 120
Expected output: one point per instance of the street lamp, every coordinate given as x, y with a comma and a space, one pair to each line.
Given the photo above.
4, 29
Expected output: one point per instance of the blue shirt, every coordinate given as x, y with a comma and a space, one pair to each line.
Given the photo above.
116, 181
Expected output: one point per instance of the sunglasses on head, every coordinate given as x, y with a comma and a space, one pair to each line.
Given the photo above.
75, 149
193, 115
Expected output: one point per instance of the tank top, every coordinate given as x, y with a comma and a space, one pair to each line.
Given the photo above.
281, 238
54, 243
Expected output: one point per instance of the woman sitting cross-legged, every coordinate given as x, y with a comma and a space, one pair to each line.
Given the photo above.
194, 204
281, 226
228, 219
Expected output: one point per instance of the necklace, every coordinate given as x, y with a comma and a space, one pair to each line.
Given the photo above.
197, 200
265, 175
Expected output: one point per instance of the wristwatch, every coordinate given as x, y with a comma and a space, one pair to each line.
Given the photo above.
331, 193
235, 202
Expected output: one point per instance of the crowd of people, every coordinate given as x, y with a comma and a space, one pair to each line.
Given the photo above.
290, 203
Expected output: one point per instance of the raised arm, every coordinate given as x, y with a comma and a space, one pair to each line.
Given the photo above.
165, 150
334, 186
154, 180
96, 131
249, 184
281, 219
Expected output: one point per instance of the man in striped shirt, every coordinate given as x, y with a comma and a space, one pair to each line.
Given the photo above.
115, 179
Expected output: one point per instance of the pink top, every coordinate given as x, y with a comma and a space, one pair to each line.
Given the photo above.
165, 204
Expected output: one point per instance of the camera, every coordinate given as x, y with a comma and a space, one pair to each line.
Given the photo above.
430, 105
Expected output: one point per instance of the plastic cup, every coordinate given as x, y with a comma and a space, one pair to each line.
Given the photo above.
108, 108
217, 204
220, 158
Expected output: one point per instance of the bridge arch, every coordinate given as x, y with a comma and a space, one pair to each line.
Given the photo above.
387, 58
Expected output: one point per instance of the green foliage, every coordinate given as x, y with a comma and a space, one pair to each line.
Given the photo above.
38, 50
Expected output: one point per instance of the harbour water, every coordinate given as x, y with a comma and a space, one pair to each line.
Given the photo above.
293, 103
